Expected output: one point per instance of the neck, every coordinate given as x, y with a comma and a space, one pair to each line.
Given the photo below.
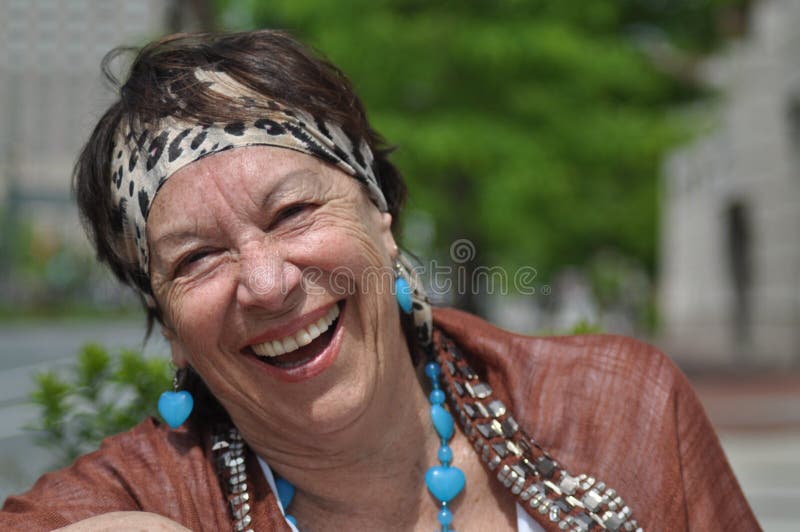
372, 474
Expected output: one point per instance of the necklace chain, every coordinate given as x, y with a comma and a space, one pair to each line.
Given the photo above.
228, 451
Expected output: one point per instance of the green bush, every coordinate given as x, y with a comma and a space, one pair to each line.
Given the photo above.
102, 394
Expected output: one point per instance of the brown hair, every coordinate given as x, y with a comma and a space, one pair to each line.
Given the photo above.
161, 83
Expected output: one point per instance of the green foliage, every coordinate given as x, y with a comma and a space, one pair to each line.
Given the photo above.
620, 284
99, 396
535, 128
585, 327
581, 327
692, 24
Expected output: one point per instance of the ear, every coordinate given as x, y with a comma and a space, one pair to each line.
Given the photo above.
386, 234
179, 358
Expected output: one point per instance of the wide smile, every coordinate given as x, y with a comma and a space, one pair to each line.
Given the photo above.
305, 351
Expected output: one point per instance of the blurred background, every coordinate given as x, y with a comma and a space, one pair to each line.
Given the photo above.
639, 160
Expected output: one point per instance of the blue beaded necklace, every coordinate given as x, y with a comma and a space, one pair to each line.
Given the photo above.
444, 481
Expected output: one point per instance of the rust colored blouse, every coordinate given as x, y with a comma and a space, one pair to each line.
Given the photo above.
608, 406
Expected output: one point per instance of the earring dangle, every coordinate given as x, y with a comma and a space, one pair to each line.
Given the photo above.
402, 290
175, 406
419, 304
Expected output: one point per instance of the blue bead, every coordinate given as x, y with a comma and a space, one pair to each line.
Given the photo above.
175, 407
403, 293
292, 520
445, 483
432, 370
436, 397
442, 422
445, 517
285, 492
445, 454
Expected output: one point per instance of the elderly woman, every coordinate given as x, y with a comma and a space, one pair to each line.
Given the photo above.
238, 187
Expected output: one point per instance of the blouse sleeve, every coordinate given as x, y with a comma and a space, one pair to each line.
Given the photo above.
148, 468
93, 485
712, 495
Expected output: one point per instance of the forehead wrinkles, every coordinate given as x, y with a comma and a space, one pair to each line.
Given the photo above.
185, 209
256, 177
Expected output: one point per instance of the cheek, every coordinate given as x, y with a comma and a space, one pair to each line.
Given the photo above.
196, 312
340, 237
345, 259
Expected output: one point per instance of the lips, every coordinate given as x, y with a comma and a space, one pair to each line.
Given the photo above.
300, 351
303, 337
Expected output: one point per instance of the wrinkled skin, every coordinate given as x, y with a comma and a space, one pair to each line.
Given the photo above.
254, 222
247, 240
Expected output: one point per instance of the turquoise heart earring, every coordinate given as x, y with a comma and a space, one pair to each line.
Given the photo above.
175, 406
412, 298
402, 290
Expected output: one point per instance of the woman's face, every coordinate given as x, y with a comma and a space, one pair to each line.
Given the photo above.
260, 245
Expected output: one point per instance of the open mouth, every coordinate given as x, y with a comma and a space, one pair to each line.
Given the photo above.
302, 346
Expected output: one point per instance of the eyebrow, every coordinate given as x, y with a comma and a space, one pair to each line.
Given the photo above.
276, 192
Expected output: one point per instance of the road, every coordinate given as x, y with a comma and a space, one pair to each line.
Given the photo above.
758, 419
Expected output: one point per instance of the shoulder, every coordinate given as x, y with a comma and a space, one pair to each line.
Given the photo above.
151, 454
617, 409
569, 390
606, 362
122, 475
607, 384
152, 440
121, 459
600, 405
595, 363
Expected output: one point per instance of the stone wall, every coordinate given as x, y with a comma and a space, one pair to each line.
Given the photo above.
730, 264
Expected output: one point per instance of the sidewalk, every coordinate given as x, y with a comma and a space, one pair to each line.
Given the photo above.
758, 421
751, 402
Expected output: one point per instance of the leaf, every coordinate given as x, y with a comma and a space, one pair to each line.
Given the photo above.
99, 395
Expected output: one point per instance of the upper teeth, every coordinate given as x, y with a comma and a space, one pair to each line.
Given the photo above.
304, 336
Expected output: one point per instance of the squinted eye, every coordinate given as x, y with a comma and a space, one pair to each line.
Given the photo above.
290, 211
190, 259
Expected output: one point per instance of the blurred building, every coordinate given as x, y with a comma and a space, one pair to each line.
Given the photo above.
52, 91
730, 265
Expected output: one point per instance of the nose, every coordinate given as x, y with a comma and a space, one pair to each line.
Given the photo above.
267, 279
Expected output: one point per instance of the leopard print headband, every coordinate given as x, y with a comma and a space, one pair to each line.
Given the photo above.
143, 162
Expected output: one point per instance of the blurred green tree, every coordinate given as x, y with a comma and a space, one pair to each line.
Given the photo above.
99, 395
533, 128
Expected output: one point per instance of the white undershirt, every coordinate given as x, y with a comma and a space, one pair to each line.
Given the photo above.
525, 522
